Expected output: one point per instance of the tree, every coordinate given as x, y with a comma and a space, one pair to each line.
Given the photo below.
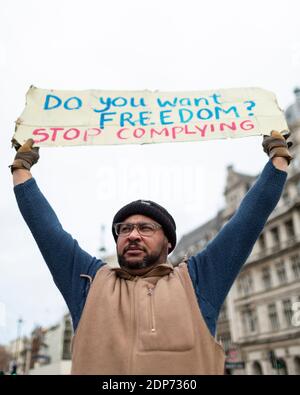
5, 359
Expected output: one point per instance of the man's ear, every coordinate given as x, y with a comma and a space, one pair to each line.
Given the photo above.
169, 245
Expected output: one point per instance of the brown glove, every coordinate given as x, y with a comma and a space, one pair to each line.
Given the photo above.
276, 145
26, 155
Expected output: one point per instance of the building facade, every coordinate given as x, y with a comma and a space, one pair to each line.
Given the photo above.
46, 351
259, 323
53, 356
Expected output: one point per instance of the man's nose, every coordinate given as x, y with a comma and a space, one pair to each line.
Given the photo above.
134, 234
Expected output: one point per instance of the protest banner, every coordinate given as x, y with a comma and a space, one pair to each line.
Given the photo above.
99, 117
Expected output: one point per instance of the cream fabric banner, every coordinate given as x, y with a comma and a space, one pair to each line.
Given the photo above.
96, 117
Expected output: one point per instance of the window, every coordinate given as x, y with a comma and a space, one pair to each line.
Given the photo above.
67, 339
281, 272
285, 197
201, 244
287, 311
262, 242
266, 277
223, 313
295, 259
298, 185
289, 226
191, 250
273, 316
257, 369
232, 198
226, 342
245, 284
275, 236
249, 321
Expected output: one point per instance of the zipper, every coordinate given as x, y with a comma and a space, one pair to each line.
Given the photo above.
152, 317
132, 324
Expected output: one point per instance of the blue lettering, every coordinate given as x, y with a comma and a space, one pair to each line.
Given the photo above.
181, 115
221, 110
78, 103
142, 102
185, 102
163, 116
215, 97
144, 118
102, 118
199, 99
107, 103
203, 110
47, 101
165, 103
119, 102
122, 104
126, 117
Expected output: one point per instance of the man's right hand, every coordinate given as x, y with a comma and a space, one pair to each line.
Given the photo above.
26, 155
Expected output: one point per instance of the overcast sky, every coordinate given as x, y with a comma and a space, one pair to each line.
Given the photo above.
128, 45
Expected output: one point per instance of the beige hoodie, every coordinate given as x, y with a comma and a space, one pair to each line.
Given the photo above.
149, 324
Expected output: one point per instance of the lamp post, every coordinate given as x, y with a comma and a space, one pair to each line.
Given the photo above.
102, 248
19, 326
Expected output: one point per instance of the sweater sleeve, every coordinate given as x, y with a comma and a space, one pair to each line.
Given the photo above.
214, 269
64, 257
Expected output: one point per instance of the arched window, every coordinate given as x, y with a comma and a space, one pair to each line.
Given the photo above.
257, 369
281, 367
297, 365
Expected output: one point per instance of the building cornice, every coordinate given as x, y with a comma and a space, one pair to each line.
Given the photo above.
268, 340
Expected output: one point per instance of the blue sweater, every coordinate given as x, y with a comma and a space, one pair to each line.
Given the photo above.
213, 270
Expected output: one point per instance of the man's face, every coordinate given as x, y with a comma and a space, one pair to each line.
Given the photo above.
138, 252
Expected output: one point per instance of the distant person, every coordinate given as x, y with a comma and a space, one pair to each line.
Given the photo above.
148, 317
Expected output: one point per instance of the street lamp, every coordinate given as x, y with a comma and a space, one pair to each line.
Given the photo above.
19, 326
102, 248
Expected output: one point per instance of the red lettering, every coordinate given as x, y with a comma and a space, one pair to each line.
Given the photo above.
201, 130
248, 125
135, 132
37, 132
119, 134
77, 134
164, 130
231, 127
87, 134
174, 132
186, 128
54, 134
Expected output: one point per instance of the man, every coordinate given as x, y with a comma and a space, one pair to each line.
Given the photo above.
147, 317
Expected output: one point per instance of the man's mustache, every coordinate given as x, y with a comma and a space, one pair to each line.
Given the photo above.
133, 246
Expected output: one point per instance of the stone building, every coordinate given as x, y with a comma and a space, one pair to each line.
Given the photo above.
51, 349
259, 323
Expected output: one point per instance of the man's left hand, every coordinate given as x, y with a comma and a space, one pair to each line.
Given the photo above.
276, 145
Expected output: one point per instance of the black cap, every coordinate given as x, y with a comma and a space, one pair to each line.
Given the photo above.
152, 210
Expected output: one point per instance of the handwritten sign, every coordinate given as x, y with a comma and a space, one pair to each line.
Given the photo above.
96, 117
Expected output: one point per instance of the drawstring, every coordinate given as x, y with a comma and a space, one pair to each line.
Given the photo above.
88, 277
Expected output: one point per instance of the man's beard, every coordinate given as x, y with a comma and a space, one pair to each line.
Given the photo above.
147, 261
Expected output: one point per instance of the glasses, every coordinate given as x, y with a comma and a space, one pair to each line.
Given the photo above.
144, 228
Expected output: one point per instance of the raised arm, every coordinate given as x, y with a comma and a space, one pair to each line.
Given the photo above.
65, 259
214, 269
